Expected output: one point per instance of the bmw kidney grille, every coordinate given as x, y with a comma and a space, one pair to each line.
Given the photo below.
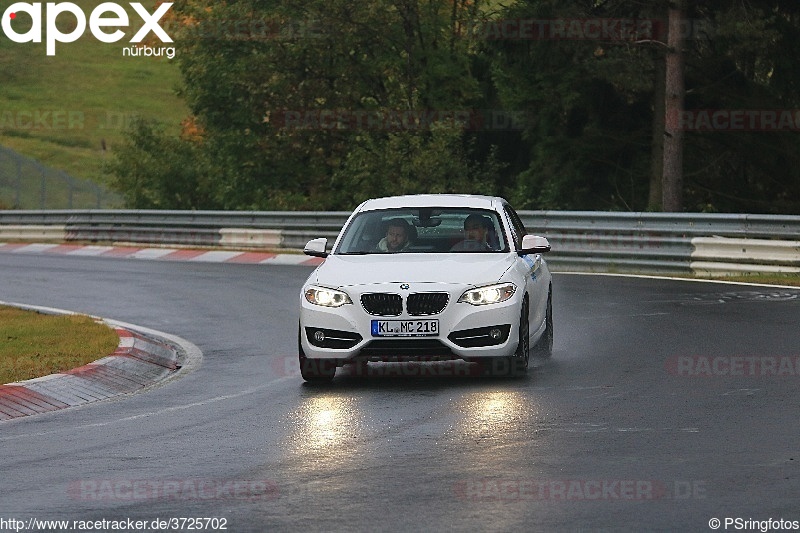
417, 304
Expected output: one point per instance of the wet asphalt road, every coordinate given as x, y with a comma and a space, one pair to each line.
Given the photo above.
665, 404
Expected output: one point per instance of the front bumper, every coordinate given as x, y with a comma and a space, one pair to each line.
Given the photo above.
465, 330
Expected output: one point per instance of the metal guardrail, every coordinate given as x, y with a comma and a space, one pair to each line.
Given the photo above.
585, 241
660, 242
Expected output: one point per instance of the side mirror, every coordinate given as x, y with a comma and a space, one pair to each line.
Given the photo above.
316, 247
534, 244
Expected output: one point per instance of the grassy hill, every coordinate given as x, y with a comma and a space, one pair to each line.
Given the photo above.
70, 110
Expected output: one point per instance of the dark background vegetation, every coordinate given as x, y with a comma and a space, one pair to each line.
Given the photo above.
582, 136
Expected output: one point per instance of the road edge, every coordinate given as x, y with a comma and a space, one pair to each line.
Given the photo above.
144, 359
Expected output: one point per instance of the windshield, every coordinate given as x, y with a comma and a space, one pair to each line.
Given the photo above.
423, 230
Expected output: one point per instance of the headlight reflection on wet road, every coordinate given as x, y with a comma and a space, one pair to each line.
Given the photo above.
495, 414
324, 423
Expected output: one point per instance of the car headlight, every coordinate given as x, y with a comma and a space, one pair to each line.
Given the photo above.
491, 294
327, 297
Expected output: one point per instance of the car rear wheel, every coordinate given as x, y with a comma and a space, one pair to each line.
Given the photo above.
315, 370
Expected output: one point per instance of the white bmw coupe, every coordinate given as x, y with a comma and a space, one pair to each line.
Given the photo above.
427, 277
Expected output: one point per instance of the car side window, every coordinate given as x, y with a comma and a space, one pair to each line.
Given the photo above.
517, 227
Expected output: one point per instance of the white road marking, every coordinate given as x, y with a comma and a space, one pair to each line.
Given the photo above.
91, 250
215, 256
151, 253
34, 248
286, 259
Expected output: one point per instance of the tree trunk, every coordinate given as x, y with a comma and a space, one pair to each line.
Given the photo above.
673, 134
654, 201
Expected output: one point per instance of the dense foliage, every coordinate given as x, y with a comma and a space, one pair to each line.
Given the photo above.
324, 103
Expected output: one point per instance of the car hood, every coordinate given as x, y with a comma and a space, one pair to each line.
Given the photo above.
463, 269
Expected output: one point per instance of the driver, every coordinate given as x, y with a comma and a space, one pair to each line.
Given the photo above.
396, 240
476, 234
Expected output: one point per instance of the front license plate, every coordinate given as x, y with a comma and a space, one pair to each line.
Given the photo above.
405, 328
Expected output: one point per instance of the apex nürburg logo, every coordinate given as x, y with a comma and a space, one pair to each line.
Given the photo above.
102, 18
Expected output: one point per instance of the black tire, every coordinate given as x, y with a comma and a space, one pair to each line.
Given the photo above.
314, 370
518, 365
544, 348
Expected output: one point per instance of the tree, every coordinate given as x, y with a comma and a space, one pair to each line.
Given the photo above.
156, 171
318, 105
588, 103
269, 83
672, 175
593, 106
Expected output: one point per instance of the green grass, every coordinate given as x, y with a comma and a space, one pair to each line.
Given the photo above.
89, 82
34, 345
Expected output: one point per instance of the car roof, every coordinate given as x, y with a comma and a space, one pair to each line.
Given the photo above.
433, 200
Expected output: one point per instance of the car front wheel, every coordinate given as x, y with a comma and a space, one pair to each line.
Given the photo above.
517, 363
544, 348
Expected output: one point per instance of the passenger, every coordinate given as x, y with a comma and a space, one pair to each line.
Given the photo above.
397, 236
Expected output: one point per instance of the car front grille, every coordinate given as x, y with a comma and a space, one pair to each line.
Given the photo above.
417, 304
382, 304
426, 303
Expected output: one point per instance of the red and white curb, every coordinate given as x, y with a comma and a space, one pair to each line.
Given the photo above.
142, 359
161, 254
